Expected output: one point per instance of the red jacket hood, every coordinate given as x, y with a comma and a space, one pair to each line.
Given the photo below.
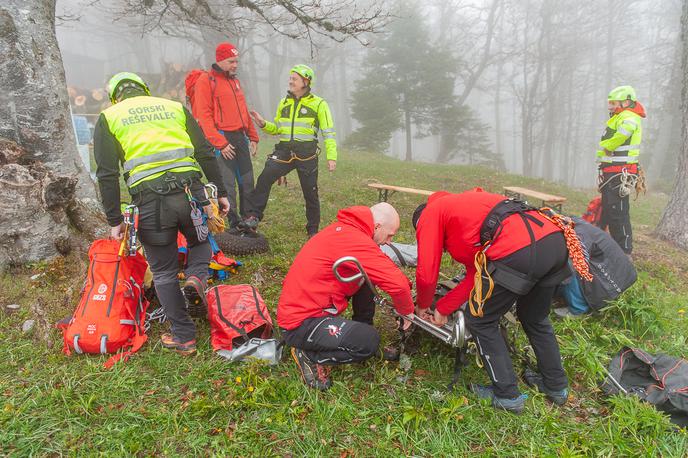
359, 217
638, 109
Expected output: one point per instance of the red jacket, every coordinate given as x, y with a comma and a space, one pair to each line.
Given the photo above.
310, 288
221, 108
451, 223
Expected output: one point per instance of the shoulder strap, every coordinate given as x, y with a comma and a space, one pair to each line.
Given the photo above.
400, 257
225, 320
492, 223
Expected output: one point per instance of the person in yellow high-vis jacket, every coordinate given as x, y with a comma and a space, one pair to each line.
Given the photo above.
618, 163
164, 154
300, 116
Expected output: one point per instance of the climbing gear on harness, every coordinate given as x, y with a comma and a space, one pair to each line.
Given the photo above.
215, 223
197, 216
131, 220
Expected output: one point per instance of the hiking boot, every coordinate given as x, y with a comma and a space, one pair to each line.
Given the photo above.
249, 224
389, 353
534, 379
514, 405
194, 292
313, 375
564, 312
183, 348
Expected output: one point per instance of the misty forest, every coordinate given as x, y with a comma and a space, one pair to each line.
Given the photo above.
424, 95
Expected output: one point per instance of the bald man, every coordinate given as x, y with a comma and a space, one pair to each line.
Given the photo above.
312, 299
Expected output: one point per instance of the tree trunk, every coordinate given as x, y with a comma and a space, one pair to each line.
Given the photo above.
45, 176
674, 223
409, 140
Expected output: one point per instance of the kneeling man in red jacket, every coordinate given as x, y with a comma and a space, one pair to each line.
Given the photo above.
526, 258
312, 298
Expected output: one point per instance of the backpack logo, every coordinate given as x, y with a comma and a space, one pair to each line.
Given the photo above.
91, 328
102, 288
335, 331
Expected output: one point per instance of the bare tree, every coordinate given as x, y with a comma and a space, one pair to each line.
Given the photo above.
35, 122
674, 223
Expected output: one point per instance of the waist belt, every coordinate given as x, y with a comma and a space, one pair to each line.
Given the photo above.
630, 168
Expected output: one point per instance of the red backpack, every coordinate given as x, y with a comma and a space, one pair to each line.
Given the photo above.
593, 213
237, 313
112, 311
190, 85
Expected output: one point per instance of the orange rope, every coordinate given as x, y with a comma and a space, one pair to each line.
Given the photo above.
573, 243
476, 295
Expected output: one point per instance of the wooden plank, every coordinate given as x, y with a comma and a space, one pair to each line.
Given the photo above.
387, 187
536, 194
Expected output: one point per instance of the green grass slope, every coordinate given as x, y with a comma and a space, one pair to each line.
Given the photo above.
159, 403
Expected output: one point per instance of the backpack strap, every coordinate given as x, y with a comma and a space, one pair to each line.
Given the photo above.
268, 321
241, 331
400, 257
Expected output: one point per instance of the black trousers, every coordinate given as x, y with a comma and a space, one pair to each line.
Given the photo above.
160, 217
335, 340
532, 310
276, 167
237, 173
616, 212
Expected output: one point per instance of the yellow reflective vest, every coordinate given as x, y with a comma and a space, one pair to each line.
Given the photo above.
300, 120
152, 132
621, 139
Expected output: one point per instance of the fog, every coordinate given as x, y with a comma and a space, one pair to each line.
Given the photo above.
513, 84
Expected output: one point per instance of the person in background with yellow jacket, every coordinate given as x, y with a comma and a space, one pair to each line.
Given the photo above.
619, 167
300, 116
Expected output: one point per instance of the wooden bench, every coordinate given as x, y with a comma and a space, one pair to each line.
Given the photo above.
384, 190
548, 200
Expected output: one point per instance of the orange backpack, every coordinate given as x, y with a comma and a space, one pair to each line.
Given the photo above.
190, 85
112, 311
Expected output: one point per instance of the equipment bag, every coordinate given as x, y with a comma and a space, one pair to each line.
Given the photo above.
240, 324
661, 380
112, 311
593, 214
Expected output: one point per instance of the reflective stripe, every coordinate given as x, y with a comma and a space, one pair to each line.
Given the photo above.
77, 348
287, 124
146, 173
331, 129
131, 322
627, 147
630, 122
623, 131
328, 135
286, 137
304, 137
103, 346
627, 159
169, 155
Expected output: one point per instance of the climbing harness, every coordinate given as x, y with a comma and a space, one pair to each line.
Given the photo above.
628, 182
489, 231
294, 157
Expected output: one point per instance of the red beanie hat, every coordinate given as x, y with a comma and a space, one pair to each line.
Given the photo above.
225, 51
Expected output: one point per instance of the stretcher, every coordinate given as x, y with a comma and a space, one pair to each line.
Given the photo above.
454, 332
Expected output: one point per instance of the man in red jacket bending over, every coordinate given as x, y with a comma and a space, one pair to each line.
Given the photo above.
219, 105
527, 257
312, 298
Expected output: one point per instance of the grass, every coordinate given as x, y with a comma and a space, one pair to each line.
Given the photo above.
161, 404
